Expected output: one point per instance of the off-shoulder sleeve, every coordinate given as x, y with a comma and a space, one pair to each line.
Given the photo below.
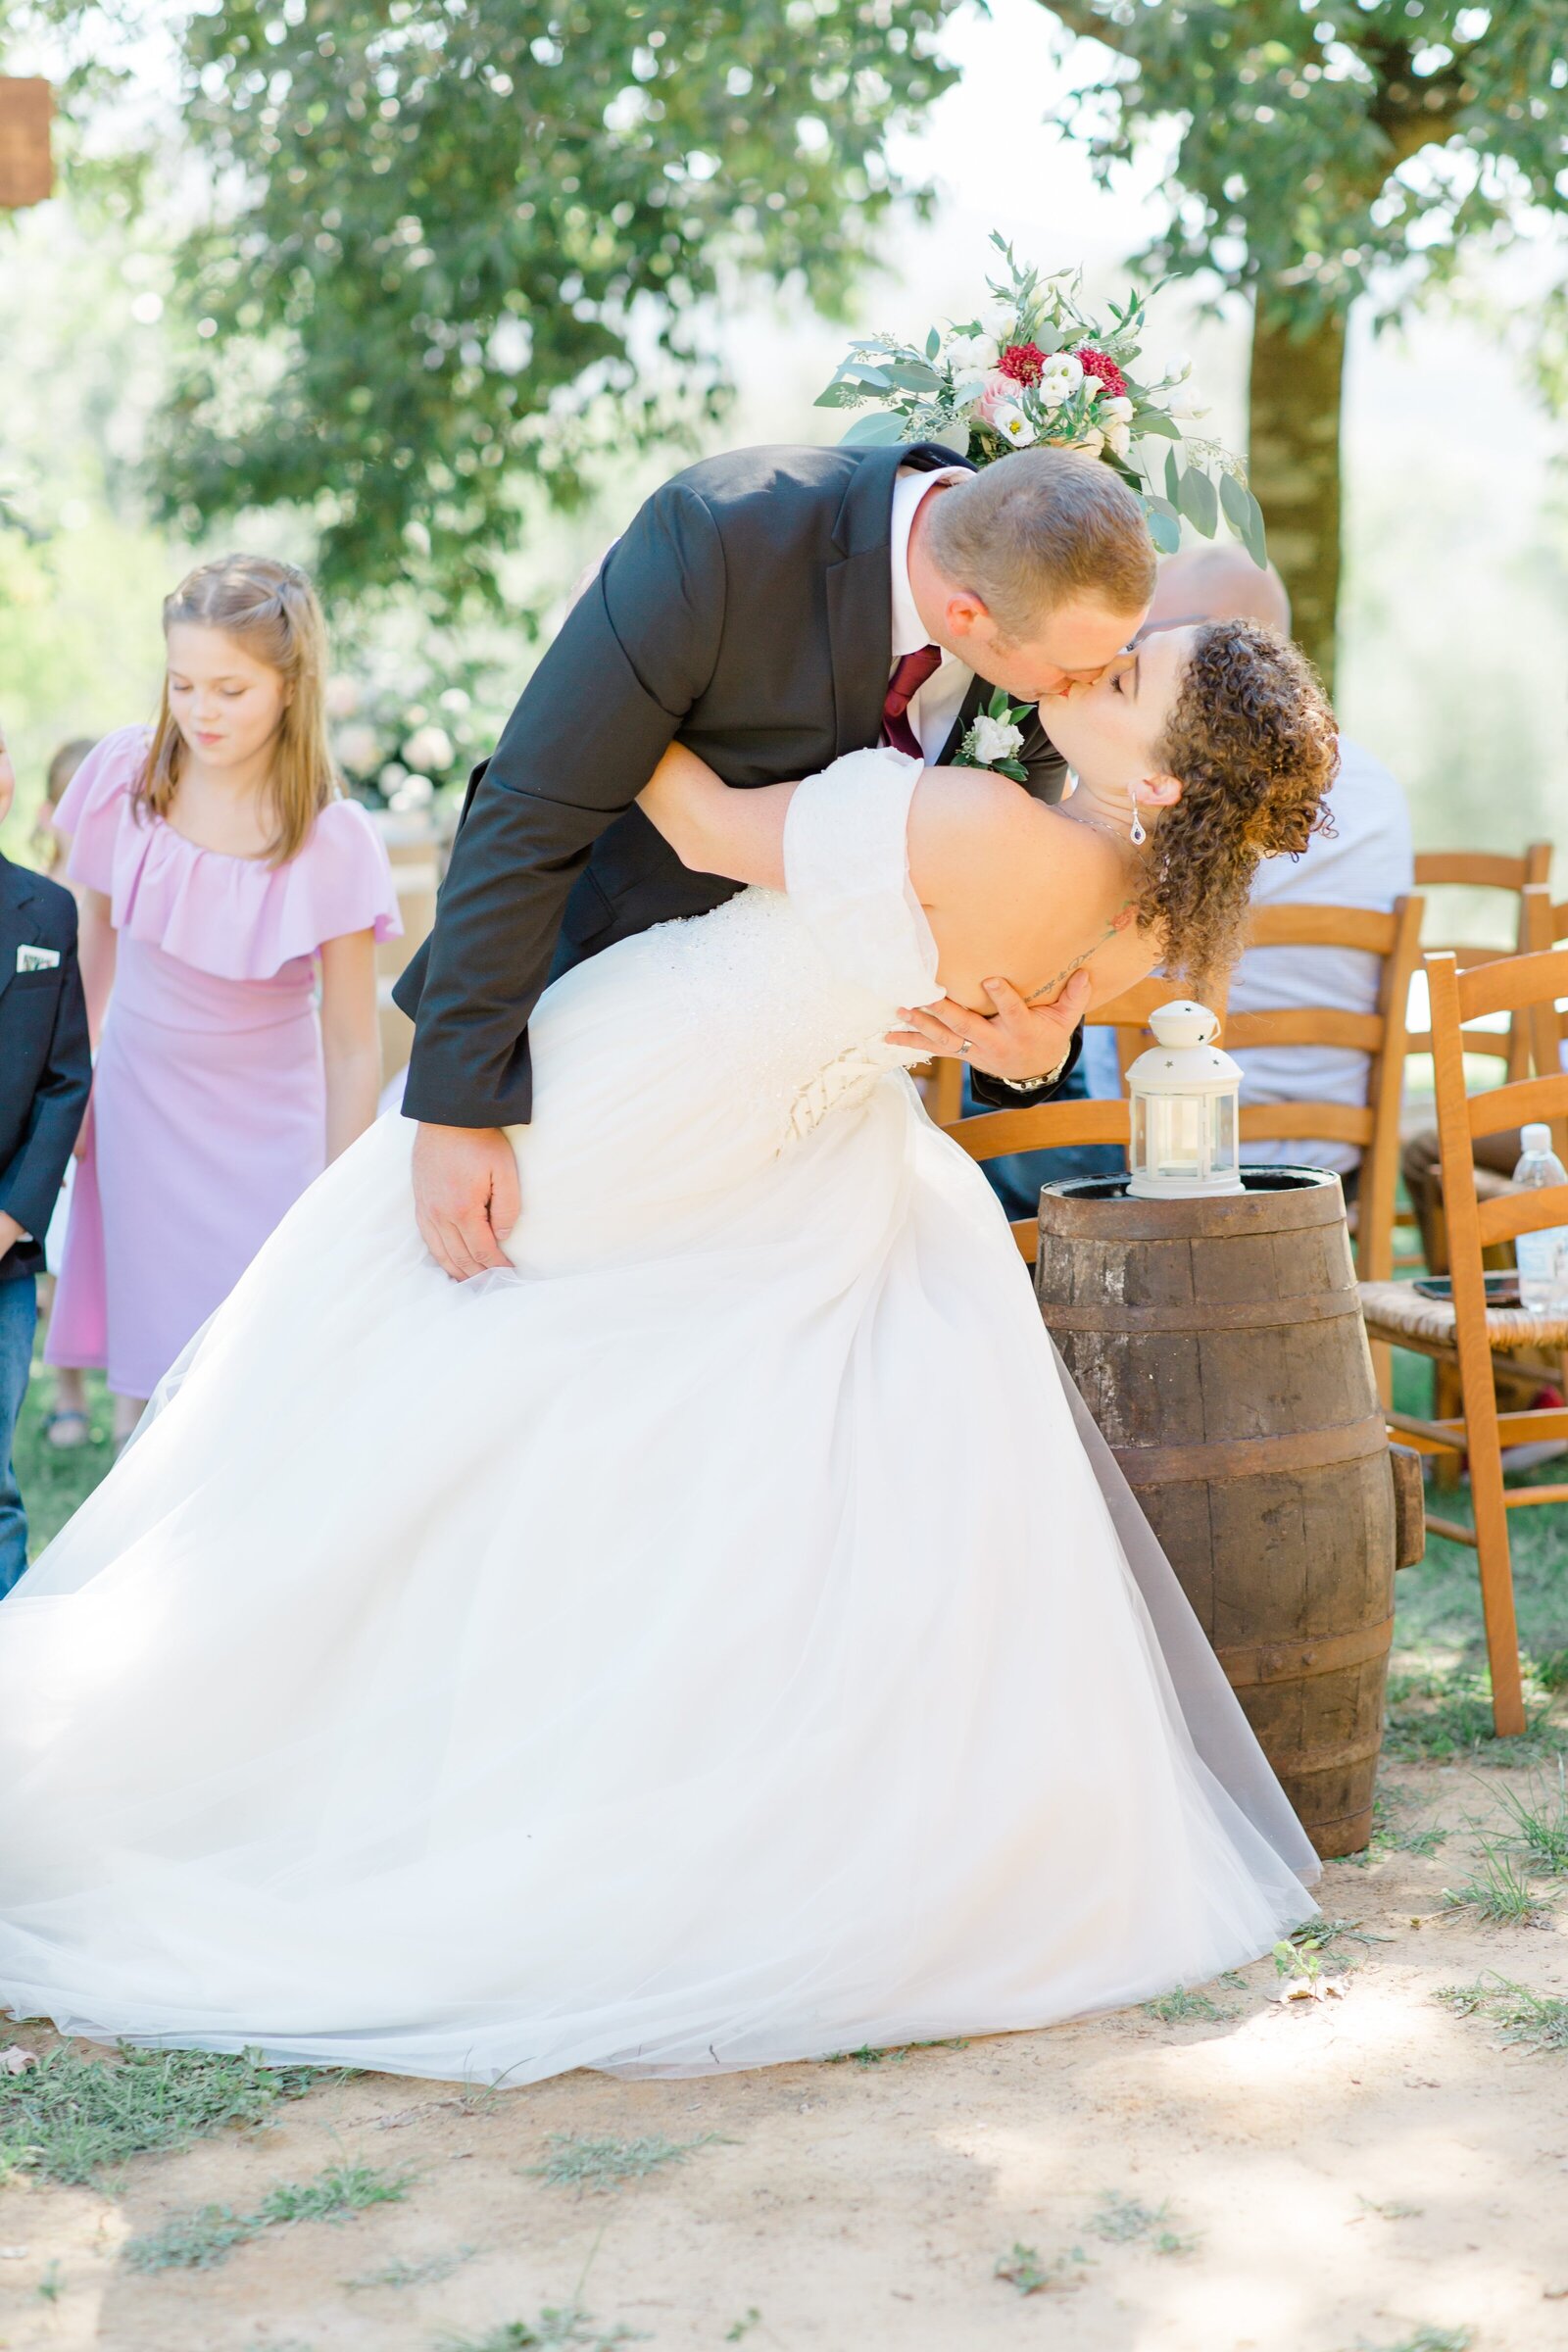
344, 878
96, 804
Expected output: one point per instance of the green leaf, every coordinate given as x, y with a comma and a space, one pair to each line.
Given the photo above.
860, 371
1156, 422
1198, 501
1173, 477
1160, 506
933, 344
913, 375
1257, 534
837, 395
1163, 529
879, 429
963, 395
1015, 768
1232, 498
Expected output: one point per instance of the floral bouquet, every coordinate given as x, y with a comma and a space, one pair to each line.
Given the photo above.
1042, 371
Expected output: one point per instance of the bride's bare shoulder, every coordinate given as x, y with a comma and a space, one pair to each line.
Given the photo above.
969, 828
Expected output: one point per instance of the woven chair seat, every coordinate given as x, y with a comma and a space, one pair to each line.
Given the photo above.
1396, 1311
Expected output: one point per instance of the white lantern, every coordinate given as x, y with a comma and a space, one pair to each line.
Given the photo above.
1185, 1095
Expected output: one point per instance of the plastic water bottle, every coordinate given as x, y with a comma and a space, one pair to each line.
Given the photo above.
1542, 1257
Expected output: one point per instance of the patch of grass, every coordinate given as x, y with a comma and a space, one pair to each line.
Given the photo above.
1551, 1671
1536, 2020
69, 2118
1425, 2339
570, 2326
1023, 2271
1439, 1716
1497, 1892
1322, 1934
51, 2286
193, 2242
865, 2056
1390, 2210
1127, 2221
739, 2329
428, 2272
342, 2190
605, 2165
1539, 1826
1175, 2008
200, 2240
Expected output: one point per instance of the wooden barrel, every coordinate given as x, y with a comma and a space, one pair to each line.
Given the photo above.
1219, 1344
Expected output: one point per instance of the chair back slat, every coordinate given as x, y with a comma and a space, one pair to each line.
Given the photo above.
1515, 1104
1043, 1127
1475, 869
1510, 1214
1513, 984
1303, 924
1306, 1025
1312, 1123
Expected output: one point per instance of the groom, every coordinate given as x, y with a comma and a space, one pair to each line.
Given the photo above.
771, 608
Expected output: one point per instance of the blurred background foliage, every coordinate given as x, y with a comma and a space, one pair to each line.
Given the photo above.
429, 295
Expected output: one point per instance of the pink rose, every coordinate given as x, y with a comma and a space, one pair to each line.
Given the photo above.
1000, 392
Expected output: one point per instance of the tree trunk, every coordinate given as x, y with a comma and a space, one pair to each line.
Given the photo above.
1293, 466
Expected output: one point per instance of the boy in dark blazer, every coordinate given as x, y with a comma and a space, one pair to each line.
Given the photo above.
45, 1077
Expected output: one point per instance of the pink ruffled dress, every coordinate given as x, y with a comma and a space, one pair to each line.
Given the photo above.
209, 1104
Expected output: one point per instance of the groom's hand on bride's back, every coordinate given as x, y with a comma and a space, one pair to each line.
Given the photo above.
465, 1197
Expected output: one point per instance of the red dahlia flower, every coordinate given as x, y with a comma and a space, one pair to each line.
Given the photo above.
1022, 362
1099, 363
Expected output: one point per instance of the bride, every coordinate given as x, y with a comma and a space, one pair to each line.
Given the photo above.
721, 1638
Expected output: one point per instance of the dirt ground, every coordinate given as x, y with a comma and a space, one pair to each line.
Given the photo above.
1368, 2171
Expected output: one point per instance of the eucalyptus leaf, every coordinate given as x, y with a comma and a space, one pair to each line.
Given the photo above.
1233, 499
1258, 534
1198, 501
1162, 506
837, 395
1162, 530
1173, 477
913, 375
933, 344
1156, 421
860, 371
964, 395
878, 430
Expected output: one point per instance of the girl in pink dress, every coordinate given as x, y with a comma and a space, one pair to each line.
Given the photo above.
221, 871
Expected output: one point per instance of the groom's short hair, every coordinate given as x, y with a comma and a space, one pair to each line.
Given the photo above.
1040, 529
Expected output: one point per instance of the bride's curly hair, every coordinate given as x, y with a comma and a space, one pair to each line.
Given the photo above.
1254, 740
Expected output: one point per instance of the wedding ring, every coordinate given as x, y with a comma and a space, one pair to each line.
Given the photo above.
965, 1049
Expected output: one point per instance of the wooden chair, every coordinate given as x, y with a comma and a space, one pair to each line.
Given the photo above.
1466, 1332
1054, 1126
1474, 870
1373, 1127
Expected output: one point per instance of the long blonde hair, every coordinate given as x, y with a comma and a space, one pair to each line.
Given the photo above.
274, 612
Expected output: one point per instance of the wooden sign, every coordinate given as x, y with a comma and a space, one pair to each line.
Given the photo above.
27, 168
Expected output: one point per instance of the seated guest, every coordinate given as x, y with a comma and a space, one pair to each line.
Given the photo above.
45, 1073
1367, 860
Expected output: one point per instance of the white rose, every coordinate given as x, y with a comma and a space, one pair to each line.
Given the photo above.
1188, 409
992, 739
1014, 426
359, 748
1091, 441
1118, 437
428, 747
1181, 368
1060, 379
1115, 411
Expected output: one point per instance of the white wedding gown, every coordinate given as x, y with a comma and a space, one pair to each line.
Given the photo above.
710, 1645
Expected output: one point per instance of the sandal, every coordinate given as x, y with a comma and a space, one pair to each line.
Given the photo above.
64, 1432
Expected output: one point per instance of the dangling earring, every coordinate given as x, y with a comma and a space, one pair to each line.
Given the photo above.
1138, 835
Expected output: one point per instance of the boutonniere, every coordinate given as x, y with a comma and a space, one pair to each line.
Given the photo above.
995, 739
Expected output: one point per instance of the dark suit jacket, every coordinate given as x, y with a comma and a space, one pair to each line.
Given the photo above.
45, 1061
746, 611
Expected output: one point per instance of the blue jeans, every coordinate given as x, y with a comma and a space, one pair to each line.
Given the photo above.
19, 1316
1016, 1179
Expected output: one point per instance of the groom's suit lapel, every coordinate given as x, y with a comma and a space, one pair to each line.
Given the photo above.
859, 605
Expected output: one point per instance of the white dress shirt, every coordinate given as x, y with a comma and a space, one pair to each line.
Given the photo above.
1370, 861
940, 700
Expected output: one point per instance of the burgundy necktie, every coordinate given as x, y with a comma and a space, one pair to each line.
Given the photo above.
909, 673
